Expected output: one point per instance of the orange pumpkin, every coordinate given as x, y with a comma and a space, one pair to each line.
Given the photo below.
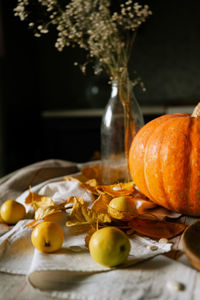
164, 161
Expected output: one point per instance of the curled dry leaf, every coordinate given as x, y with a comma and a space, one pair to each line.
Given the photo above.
44, 207
33, 224
100, 205
93, 172
43, 212
37, 200
149, 210
120, 215
161, 214
157, 229
90, 185
92, 182
81, 214
89, 234
119, 189
143, 205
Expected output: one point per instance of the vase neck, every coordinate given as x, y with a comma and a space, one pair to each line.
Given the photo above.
122, 89
114, 90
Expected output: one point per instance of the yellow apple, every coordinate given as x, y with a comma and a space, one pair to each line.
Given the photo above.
122, 208
12, 211
122, 204
109, 246
47, 237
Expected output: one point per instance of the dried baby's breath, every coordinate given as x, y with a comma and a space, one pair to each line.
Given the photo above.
106, 35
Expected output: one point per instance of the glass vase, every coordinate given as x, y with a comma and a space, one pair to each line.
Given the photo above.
121, 120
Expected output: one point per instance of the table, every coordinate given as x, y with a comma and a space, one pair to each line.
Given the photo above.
156, 278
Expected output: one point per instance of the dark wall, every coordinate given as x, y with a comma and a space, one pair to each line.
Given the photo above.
1, 94
36, 77
21, 104
167, 53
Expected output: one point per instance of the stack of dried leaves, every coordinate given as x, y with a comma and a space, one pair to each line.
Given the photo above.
144, 217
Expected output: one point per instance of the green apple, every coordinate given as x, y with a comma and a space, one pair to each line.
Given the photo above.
109, 246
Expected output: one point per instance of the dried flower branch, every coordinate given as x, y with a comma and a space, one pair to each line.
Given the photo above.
106, 36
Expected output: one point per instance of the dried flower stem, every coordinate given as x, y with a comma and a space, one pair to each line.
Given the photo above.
106, 36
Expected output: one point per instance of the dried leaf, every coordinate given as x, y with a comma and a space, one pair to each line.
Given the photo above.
43, 212
32, 224
92, 183
100, 205
37, 200
150, 210
89, 185
120, 215
119, 189
81, 214
143, 205
93, 172
156, 229
45, 208
89, 234
71, 178
58, 216
161, 214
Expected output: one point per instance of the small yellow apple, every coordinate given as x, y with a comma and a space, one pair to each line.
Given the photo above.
12, 211
109, 246
122, 204
47, 237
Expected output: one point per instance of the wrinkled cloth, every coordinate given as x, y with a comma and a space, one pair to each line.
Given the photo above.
12, 185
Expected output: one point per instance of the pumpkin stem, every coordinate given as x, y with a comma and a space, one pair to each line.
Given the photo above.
196, 111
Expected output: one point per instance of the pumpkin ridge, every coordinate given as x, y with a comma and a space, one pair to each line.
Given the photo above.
176, 169
194, 190
156, 130
144, 156
190, 129
162, 120
160, 164
167, 199
137, 154
169, 204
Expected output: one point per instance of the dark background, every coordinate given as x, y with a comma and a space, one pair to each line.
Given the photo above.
35, 77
